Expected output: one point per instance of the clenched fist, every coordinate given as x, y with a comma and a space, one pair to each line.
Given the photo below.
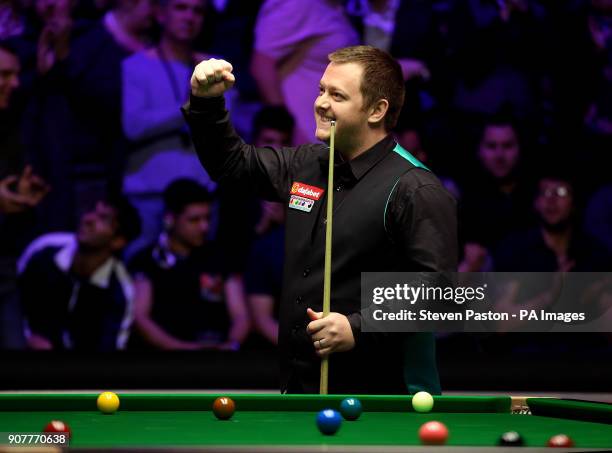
212, 78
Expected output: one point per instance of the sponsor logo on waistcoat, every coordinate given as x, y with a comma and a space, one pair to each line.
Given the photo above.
306, 191
301, 203
303, 196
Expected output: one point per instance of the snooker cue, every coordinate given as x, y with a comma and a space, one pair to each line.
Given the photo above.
328, 252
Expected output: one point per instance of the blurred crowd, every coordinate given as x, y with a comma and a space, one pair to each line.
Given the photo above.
112, 236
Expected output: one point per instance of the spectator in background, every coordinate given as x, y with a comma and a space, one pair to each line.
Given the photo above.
239, 210
264, 274
569, 39
20, 191
229, 32
185, 296
54, 38
155, 84
598, 119
292, 41
75, 292
73, 121
411, 138
558, 242
380, 19
12, 22
416, 33
92, 9
9, 80
273, 127
497, 200
497, 55
598, 216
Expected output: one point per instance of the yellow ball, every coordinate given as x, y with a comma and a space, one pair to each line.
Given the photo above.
108, 402
422, 402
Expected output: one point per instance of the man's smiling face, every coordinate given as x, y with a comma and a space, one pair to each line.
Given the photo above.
340, 98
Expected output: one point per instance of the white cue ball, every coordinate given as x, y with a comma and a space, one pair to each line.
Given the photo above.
422, 402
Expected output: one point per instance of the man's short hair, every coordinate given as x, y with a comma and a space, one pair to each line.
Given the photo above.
183, 192
558, 171
274, 117
382, 78
499, 119
128, 219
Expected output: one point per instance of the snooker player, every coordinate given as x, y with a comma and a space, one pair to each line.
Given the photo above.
390, 214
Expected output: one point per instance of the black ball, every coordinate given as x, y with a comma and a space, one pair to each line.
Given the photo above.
511, 439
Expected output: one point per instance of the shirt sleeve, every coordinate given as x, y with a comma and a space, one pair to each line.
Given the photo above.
422, 221
281, 26
265, 172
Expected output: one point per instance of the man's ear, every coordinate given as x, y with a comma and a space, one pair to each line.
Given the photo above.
378, 111
168, 221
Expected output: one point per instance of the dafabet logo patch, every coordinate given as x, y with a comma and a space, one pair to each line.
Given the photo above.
303, 196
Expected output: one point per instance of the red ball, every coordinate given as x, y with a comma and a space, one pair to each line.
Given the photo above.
224, 408
433, 433
57, 426
560, 440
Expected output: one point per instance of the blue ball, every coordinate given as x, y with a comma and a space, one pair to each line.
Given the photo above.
350, 408
329, 421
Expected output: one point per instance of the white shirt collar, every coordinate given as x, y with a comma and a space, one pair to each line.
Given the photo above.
100, 278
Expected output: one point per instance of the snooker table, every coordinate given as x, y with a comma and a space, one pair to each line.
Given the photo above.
268, 422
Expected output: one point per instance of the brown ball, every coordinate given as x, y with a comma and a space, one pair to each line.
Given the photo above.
224, 408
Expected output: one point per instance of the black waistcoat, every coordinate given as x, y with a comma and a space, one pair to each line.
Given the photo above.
360, 243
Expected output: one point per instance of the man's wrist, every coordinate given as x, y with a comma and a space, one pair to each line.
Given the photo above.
205, 104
